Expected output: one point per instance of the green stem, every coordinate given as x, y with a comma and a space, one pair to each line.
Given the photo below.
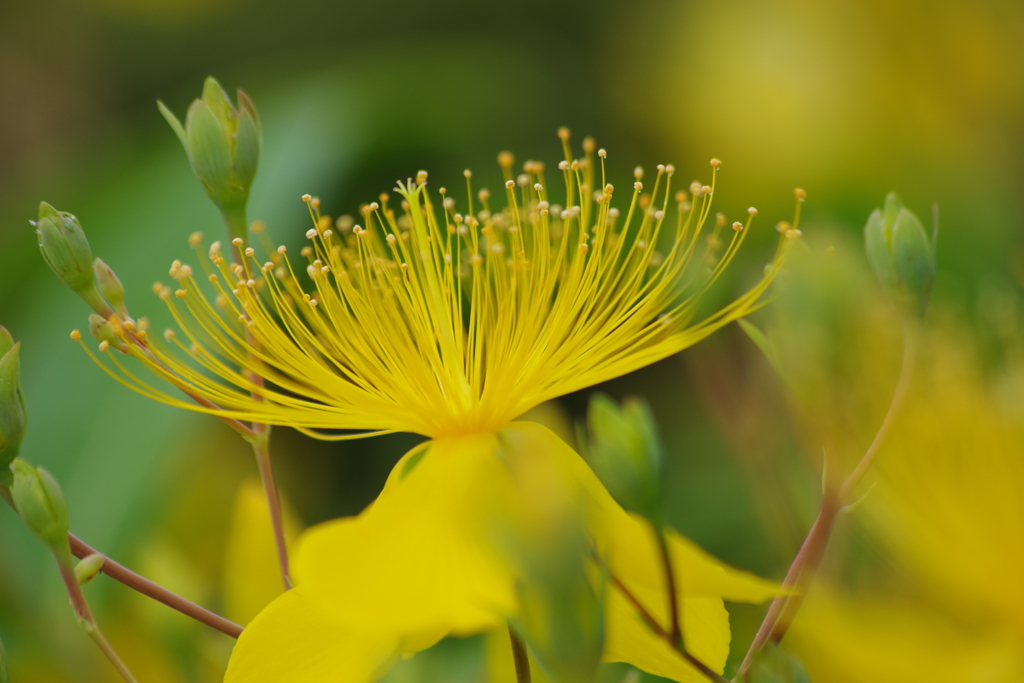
805, 565
238, 227
520, 658
84, 614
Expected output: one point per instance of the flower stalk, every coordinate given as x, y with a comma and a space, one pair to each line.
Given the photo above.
836, 499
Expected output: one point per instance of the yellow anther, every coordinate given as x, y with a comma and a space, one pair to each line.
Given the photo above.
638, 172
315, 202
603, 153
538, 187
716, 164
257, 226
238, 241
195, 238
783, 227
104, 345
168, 334
563, 165
737, 226
307, 197
467, 173
638, 186
800, 194
589, 144
76, 335
563, 134
484, 194
475, 260
752, 211
180, 293
506, 159
793, 234
282, 249
509, 184
706, 189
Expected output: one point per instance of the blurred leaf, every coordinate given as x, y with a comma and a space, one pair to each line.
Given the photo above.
772, 664
766, 344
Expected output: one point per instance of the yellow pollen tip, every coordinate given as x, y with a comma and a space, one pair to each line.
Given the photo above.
737, 226
716, 164
800, 193
563, 134
752, 211
603, 153
195, 239
76, 335
307, 197
180, 293
237, 241
104, 345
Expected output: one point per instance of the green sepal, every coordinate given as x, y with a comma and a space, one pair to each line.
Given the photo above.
210, 153
12, 402
175, 125
912, 257
217, 100
247, 148
876, 242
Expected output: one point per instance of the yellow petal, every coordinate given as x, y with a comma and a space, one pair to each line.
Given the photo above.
252, 578
420, 561
629, 545
294, 640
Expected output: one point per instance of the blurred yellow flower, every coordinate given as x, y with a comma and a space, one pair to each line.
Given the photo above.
948, 511
450, 325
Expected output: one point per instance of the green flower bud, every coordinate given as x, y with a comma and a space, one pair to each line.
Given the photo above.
40, 502
223, 144
66, 250
624, 449
901, 253
12, 403
109, 285
772, 664
89, 567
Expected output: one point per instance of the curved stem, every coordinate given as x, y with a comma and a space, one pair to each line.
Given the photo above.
801, 572
520, 658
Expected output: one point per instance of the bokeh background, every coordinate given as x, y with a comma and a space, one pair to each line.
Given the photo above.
846, 99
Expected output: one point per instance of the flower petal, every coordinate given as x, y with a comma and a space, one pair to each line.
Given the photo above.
294, 640
629, 544
419, 562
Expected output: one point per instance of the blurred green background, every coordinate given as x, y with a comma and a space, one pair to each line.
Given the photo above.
846, 99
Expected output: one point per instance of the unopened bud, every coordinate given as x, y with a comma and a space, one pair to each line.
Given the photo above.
109, 285
89, 567
901, 253
223, 143
66, 250
40, 502
626, 453
12, 404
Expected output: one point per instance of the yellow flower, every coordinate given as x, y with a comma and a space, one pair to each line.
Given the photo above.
948, 515
450, 324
